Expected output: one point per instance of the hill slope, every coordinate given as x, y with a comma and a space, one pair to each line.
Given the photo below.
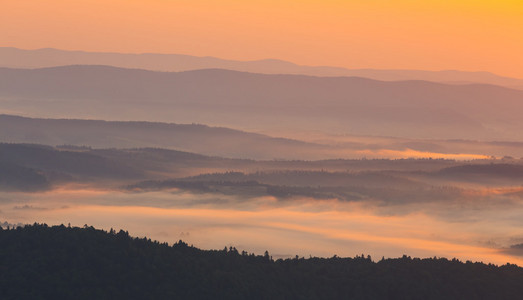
255, 101
83, 263
217, 141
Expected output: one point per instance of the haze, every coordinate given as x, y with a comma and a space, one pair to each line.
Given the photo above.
299, 127
430, 207
468, 231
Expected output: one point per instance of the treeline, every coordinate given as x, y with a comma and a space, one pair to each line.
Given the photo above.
42, 262
253, 188
30, 167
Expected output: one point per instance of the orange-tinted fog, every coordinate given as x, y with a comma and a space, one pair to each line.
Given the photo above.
466, 230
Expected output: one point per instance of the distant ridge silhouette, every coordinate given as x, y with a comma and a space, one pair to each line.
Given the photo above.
252, 102
47, 57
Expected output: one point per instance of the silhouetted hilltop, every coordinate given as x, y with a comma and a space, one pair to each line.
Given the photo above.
59, 262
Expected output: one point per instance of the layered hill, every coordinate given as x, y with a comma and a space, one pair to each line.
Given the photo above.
217, 141
415, 109
18, 58
31, 168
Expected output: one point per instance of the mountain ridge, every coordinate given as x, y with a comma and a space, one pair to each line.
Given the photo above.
256, 102
180, 62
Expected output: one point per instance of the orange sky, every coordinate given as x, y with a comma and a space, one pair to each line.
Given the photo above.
402, 34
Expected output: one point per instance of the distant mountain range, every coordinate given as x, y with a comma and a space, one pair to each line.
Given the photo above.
18, 58
255, 102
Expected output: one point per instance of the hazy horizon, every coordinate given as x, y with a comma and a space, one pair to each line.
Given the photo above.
172, 62
358, 34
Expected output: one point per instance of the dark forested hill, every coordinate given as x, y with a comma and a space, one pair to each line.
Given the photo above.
32, 167
41, 262
16, 177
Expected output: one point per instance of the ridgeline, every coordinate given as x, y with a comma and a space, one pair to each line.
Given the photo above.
59, 262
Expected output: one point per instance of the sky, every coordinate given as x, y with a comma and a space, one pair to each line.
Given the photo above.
381, 34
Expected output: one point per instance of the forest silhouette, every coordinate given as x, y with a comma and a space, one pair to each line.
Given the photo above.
62, 262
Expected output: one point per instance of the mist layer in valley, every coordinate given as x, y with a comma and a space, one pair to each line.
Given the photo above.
425, 208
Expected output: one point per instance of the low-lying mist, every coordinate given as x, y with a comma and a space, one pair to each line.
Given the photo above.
475, 227
419, 207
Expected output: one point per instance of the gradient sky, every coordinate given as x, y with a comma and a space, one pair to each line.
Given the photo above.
402, 34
